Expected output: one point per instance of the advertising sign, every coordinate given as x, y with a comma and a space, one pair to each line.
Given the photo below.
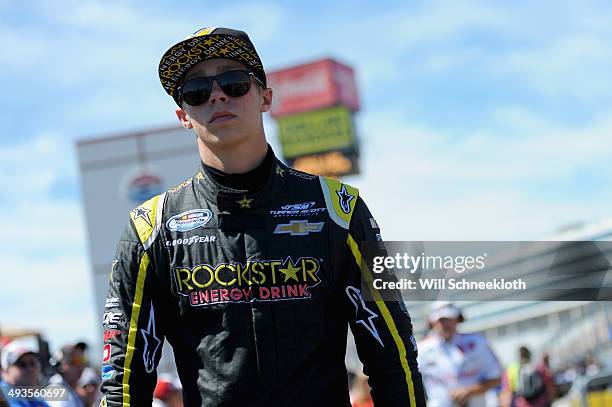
316, 132
330, 164
313, 86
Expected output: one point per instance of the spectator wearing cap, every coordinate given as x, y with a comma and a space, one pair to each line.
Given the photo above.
71, 363
457, 368
168, 392
20, 367
88, 386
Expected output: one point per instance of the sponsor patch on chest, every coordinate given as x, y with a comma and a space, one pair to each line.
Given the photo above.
257, 280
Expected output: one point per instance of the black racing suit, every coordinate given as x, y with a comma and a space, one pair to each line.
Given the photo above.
254, 291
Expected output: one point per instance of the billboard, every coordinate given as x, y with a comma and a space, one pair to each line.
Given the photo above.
313, 106
330, 164
312, 86
316, 131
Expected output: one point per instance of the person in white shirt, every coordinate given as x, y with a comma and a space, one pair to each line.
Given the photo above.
457, 368
88, 387
71, 363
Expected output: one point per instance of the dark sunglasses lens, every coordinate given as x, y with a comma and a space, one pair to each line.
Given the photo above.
235, 83
196, 91
26, 363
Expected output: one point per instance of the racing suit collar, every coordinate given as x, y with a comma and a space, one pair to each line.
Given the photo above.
231, 197
253, 180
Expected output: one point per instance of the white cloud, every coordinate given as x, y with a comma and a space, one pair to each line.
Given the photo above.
52, 295
555, 49
21, 50
423, 184
113, 44
49, 158
575, 65
46, 281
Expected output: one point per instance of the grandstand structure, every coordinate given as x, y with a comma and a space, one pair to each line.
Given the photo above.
564, 329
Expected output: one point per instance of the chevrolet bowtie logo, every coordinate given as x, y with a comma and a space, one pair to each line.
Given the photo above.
298, 227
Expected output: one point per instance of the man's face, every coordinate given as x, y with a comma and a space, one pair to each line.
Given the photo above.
445, 327
73, 368
24, 372
89, 392
241, 115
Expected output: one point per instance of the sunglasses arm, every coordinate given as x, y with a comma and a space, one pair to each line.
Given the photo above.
178, 99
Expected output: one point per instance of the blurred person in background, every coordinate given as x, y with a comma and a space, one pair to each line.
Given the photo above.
591, 365
360, 392
71, 361
20, 367
168, 392
527, 384
88, 387
282, 250
457, 368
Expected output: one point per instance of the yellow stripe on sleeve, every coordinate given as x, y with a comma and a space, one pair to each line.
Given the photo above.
129, 354
386, 316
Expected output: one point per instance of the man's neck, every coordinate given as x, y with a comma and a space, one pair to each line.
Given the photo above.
234, 159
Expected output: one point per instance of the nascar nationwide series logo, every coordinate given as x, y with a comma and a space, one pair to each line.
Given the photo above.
265, 280
189, 220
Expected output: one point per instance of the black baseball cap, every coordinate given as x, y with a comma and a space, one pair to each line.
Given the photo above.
202, 45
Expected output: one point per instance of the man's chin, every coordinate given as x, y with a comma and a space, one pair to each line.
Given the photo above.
221, 139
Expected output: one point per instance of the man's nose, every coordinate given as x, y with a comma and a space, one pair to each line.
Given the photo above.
217, 94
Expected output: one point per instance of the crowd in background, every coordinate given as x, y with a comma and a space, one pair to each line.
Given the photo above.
458, 369
461, 370
26, 364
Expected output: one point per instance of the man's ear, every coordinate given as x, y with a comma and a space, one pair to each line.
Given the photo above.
266, 103
183, 118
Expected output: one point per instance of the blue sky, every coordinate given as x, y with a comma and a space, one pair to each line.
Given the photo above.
480, 119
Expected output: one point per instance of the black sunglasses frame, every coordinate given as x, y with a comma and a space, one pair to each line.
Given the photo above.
226, 85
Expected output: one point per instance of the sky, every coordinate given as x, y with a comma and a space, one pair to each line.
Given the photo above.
479, 119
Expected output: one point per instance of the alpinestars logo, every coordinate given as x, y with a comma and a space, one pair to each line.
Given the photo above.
151, 343
345, 199
363, 315
142, 213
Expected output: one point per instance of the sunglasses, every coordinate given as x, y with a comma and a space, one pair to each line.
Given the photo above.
233, 83
22, 364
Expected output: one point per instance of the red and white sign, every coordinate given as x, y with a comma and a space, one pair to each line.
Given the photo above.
312, 86
107, 353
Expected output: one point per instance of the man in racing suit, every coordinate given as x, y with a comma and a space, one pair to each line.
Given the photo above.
459, 369
250, 269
